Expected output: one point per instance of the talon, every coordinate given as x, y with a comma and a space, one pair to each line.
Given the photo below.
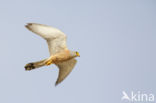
48, 62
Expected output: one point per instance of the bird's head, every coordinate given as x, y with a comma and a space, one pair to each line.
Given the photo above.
75, 54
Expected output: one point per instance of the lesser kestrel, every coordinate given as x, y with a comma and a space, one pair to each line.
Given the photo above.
60, 55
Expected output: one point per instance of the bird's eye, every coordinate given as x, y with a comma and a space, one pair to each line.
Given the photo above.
76, 53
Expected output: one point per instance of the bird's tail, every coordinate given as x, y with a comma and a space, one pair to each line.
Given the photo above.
34, 65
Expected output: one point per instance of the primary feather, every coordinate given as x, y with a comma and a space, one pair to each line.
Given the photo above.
55, 38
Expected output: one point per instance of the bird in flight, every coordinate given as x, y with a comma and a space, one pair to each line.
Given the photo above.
60, 55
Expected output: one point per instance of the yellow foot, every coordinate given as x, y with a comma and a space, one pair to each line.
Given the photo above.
48, 62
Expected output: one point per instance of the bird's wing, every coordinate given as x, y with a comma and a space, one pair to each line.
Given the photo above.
55, 38
64, 69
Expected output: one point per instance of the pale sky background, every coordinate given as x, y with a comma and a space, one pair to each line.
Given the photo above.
116, 40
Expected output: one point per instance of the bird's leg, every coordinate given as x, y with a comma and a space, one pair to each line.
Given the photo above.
56, 58
49, 61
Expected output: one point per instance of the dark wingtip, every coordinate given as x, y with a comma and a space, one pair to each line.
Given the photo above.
28, 25
56, 84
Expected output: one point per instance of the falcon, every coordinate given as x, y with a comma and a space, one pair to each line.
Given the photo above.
60, 55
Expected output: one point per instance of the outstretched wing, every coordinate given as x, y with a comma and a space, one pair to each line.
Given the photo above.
64, 69
55, 38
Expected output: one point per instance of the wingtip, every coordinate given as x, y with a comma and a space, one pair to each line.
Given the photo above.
28, 25
56, 84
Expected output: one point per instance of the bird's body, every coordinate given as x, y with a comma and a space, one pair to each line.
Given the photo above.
59, 53
60, 57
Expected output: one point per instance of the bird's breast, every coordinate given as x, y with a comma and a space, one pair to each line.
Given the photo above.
61, 57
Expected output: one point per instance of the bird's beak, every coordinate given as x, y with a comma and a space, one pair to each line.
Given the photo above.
77, 54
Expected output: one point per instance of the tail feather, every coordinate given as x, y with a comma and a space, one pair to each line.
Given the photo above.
35, 65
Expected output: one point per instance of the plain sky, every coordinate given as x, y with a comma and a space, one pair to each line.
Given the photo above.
115, 38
